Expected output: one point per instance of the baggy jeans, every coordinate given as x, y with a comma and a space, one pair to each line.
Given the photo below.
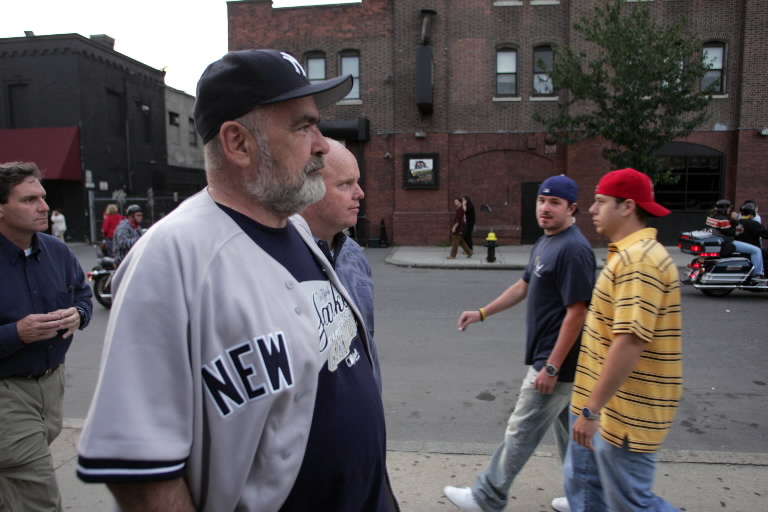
534, 413
611, 478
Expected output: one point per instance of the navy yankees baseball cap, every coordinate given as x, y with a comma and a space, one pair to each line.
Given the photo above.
560, 186
238, 82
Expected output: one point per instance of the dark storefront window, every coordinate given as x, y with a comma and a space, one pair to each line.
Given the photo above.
698, 186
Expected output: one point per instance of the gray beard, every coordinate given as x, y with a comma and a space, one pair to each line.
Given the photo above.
271, 188
292, 200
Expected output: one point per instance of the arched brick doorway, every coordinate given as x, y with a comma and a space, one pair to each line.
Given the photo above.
494, 179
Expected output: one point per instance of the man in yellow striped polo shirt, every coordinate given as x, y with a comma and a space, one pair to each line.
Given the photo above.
629, 375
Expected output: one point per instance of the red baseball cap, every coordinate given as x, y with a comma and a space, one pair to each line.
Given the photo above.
631, 184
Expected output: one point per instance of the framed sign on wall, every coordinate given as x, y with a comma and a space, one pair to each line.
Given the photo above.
421, 170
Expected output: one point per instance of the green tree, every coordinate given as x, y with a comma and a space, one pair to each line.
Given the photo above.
639, 89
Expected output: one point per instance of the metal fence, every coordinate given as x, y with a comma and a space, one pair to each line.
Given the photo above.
154, 207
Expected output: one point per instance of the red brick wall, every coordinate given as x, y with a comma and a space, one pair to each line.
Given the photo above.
488, 149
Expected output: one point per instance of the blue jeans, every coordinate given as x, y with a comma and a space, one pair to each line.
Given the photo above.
755, 255
534, 413
610, 478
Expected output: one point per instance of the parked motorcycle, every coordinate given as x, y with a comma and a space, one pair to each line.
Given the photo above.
713, 274
101, 278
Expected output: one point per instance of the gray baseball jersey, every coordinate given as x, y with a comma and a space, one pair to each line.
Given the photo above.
210, 365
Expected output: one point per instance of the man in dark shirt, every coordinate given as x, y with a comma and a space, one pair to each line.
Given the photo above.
43, 300
557, 285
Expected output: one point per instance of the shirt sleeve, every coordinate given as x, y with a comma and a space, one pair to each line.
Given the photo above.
637, 292
139, 424
577, 274
81, 292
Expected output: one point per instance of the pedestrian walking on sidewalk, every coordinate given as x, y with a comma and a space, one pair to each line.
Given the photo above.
58, 224
558, 283
237, 372
469, 221
44, 299
457, 231
629, 378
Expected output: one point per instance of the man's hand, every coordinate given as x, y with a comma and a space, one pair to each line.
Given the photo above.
43, 326
584, 430
467, 318
70, 320
544, 383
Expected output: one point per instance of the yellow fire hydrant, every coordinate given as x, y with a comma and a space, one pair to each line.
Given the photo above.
490, 243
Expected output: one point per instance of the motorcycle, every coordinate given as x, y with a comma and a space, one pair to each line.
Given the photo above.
101, 278
713, 274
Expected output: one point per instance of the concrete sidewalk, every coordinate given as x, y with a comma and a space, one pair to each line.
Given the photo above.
506, 257
692, 481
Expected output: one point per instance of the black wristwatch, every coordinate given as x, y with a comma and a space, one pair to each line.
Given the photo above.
588, 414
81, 312
552, 370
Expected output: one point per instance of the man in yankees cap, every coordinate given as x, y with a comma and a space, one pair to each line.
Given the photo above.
238, 373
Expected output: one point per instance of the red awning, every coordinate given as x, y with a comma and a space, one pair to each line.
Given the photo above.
56, 151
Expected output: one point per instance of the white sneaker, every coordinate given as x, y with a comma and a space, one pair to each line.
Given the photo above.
561, 505
462, 498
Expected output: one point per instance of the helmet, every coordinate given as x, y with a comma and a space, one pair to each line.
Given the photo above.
748, 209
134, 208
723, 205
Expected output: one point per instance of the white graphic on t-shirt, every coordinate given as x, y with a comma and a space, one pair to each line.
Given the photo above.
336, 324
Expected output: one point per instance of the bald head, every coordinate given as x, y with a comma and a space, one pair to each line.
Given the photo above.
338, 209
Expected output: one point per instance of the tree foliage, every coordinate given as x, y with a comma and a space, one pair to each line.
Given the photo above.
639, 90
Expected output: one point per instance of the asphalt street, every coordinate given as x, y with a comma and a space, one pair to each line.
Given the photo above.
447, 394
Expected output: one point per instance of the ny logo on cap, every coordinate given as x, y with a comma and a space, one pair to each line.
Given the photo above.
296, 65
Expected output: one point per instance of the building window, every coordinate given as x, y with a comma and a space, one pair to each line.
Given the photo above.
315, 63
115, 114
506, 72
173, 119
19, 106
543, 56
192, 132
714, 57
350, 65
699, 179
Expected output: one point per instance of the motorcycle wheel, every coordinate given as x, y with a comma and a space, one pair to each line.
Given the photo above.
103, 291
715, 292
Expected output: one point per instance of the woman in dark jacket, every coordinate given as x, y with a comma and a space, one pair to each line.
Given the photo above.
469, 220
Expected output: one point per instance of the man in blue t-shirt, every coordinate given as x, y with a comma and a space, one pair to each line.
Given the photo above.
558, 283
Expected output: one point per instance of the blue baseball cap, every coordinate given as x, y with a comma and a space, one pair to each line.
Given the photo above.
560, 186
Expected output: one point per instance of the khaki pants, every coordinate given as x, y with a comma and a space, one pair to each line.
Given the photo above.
456, 241
30, 419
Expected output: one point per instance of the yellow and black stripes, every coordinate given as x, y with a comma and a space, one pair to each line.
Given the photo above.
638, 292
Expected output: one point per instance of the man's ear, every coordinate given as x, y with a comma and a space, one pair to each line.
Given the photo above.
629, 206
237, 144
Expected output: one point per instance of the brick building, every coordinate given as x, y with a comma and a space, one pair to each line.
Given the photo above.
453, 84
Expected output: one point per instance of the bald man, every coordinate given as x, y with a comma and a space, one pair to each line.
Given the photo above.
327, 220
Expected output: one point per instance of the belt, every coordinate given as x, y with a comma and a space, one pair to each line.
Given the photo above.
32, 375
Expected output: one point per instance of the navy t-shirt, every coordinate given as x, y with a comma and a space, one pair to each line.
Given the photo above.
344, 463
561, 271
